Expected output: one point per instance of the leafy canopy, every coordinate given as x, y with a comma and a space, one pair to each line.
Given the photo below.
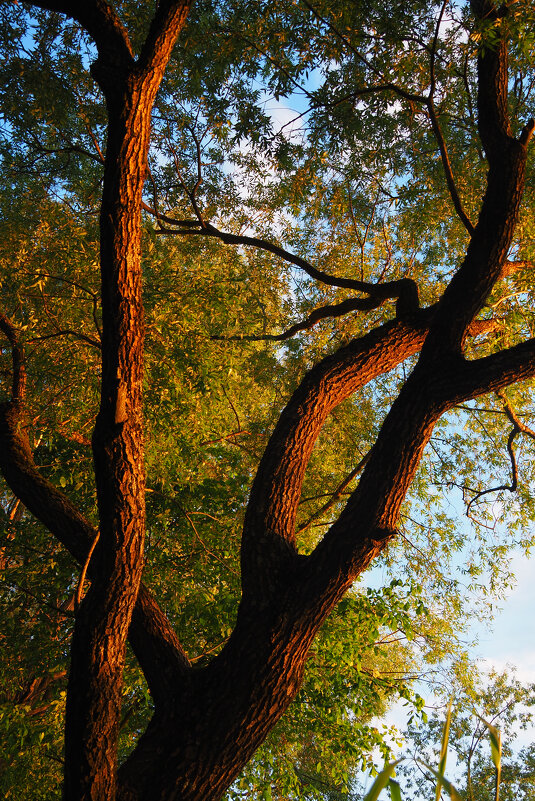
303, 125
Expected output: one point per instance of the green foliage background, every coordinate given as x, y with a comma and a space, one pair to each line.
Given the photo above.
355, 185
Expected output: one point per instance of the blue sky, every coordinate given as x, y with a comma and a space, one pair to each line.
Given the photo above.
511, 637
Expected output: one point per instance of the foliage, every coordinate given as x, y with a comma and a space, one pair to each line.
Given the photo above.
273, 133
487, 717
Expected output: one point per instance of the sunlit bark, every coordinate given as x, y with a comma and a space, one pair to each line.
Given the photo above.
209, 721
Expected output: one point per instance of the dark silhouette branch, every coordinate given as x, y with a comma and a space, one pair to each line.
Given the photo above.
151, 635
62, 332
448, 171
412, 97
405, 290
487, 252
325, 312
437, 131
101, 22
518, 428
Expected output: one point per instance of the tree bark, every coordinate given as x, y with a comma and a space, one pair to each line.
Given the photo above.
103, 619
209, 721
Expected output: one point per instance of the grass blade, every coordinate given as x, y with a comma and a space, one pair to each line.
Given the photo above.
443, 752
395, 790
452, 792
495, 738
380, 782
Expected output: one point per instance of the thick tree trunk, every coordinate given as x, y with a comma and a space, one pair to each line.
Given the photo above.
208, 722
103, 620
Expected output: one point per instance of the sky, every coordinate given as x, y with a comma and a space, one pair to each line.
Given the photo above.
511, 639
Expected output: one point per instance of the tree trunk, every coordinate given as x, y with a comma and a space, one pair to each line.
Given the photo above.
103, 619
209, 721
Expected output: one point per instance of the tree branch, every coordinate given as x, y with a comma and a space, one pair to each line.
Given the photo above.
518, 428
369, 519
405, 290
324, 312
450, 180
388, 85
495, 372
155, 644
269, 540
489, 246
165, 26
101, 22
493, 115
269, 528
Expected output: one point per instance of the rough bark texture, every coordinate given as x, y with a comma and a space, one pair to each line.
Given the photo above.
208, 722
103, 619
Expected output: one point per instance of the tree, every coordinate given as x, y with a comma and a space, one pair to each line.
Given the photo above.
209, 720
503, 702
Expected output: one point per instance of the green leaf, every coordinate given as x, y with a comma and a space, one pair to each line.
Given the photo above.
495, 738
454, 795
443, 751
495, 752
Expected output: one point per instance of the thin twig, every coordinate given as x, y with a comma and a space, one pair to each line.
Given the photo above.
95, 343
335, 496
80, 587
388, 85
325, 312
446, 163
225, 438
207, 550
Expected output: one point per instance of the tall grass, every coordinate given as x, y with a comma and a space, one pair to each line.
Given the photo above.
386, 777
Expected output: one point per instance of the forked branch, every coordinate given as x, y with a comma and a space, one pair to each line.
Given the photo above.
157, 648
277, 486
518, 428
